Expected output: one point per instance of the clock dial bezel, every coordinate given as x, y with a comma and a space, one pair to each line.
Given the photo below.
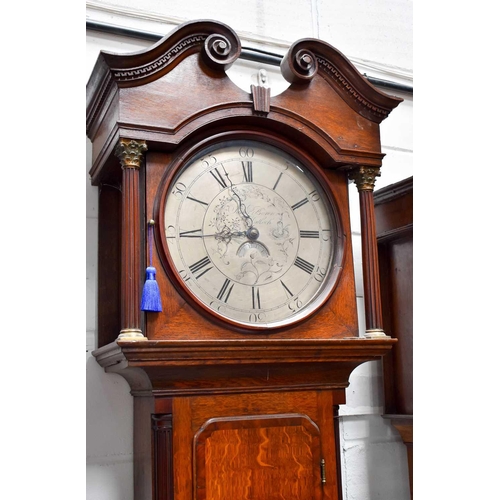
190, 154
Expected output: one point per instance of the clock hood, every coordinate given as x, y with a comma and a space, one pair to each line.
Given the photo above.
179, 85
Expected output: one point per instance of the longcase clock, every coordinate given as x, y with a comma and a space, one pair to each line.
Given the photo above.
239, 201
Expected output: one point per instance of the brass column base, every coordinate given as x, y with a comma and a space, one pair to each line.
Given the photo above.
376, 333
131, 334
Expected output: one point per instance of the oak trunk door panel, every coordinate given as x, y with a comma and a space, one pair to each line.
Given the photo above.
258, 457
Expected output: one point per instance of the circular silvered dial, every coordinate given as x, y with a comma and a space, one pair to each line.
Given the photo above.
251, 234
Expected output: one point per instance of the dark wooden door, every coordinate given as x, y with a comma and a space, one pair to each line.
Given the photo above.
394, 216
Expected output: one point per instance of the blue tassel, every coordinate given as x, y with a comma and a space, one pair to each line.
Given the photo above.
151, 299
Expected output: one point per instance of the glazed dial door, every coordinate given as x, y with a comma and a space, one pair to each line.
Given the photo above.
251, 235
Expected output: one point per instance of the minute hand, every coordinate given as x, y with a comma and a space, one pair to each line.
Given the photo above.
241, 206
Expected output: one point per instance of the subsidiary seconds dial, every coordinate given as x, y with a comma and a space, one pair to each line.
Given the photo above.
251, 235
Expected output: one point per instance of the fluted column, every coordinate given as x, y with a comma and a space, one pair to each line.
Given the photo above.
364, 177
130, 153
163, 465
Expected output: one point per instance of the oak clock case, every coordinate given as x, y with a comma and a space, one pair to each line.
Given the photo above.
249, 234
259, 333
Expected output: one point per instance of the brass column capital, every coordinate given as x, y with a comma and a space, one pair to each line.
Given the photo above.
364, 177
130, 152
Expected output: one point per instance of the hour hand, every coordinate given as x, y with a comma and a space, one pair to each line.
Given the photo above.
226, 233
197, 233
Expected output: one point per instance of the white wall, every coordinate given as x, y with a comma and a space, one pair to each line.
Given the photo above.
377, 37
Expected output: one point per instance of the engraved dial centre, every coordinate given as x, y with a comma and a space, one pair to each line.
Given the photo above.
260, 254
